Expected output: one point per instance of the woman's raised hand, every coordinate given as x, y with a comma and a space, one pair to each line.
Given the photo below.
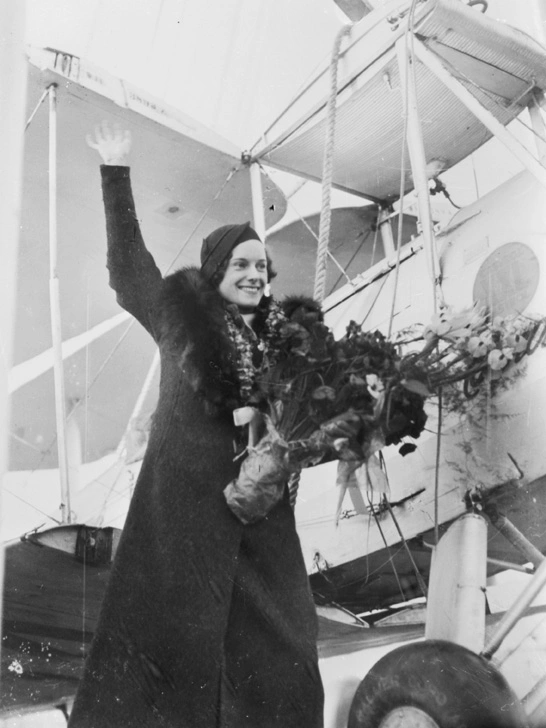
113, 145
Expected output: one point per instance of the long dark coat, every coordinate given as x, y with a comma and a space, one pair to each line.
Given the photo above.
206, 623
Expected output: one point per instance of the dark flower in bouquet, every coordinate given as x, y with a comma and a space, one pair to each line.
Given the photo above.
321, 400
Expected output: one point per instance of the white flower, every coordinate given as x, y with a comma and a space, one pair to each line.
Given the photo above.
499, 324
375, 385
515, 341
439, 324
477, 346
499, 358
451, 324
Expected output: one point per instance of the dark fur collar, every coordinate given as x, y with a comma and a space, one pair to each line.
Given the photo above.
193, 327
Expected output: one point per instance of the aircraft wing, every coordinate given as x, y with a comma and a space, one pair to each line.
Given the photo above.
497, 64
187, 181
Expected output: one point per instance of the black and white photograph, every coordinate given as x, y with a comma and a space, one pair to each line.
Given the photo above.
273, 364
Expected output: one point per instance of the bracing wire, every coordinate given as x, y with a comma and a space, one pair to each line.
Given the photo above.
386, 501
307, 84
45, 452
388, 549
132, 322
86, 419
231, 174
349, 262
418, 575
343, 272
31, 505
129, 327
437, 471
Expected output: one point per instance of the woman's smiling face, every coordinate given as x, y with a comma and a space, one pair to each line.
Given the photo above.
246, 275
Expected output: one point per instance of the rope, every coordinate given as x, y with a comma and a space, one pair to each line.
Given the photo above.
327, 172
334, 260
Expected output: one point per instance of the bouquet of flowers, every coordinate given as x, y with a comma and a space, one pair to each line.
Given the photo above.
319, 399
322, 399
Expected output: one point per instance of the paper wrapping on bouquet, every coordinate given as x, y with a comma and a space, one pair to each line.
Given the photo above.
262, 478
360, 476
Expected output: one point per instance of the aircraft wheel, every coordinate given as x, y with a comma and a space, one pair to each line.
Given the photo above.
434, 684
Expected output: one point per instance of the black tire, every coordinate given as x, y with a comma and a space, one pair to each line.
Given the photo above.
434, 683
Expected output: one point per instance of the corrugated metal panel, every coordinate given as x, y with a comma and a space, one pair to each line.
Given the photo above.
484, 40
495, 62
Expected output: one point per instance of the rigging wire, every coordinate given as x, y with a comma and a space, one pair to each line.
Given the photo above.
46, 452
158, 14
390, 558
386, 501
348, 264
418, 575
93, 27
24, 442
231, 174
77, 404
86, 418
31, 505
437, 470
304, 88
384, 279
302, 219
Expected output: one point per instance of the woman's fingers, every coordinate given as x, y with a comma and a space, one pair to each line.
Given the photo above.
112, 142
91, 142
106, 131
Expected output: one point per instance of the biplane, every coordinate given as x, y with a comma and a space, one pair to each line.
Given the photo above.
424, 87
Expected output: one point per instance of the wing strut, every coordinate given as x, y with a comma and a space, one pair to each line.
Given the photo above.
406, 61
55, 310
480, 112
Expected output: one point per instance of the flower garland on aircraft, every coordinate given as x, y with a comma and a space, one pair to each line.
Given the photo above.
468, 347
322, 399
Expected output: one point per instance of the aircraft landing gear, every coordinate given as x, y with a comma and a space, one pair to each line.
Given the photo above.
434, 684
